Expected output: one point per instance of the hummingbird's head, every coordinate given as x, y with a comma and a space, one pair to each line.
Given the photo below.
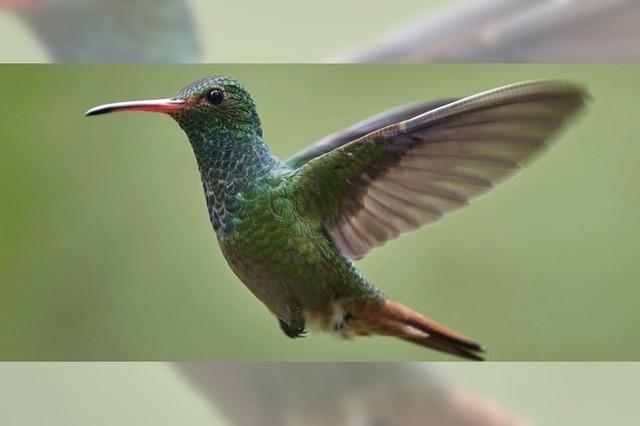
206, 109
217, 103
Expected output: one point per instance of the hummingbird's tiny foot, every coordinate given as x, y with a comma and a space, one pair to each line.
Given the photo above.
293, 331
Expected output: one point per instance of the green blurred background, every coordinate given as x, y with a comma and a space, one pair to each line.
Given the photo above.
107, 252
257, 31
74, 394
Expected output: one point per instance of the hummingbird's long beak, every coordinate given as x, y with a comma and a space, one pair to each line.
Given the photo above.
166, 106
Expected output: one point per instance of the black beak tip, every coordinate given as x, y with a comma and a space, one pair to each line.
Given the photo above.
95, 111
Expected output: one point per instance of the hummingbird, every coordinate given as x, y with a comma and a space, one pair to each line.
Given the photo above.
111, 30
291, 230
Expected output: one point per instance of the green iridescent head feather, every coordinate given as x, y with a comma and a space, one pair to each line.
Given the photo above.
236, 112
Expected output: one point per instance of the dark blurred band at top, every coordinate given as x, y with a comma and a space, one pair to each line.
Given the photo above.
469, 31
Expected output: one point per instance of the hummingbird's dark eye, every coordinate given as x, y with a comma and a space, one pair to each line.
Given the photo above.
215, 97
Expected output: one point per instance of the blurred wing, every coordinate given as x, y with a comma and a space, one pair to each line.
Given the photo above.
568, 31
515, 31
360, 129
116, 30
403, 176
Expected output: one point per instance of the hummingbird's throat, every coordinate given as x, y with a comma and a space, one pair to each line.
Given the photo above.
232, 173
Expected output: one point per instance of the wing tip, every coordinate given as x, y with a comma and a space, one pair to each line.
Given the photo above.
554, 86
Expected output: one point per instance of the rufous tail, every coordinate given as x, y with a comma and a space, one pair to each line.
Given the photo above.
394, 319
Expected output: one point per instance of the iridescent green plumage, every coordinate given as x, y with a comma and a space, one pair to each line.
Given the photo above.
271, 243
290, 230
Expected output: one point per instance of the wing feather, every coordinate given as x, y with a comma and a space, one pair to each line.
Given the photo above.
362, 128
412, 172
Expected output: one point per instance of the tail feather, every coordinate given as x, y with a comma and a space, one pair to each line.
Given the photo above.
394, 319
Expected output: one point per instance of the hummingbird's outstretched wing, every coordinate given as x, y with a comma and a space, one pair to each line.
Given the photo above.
371, 124
408, 174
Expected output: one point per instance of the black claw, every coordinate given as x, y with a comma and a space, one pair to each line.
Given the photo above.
293, 331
